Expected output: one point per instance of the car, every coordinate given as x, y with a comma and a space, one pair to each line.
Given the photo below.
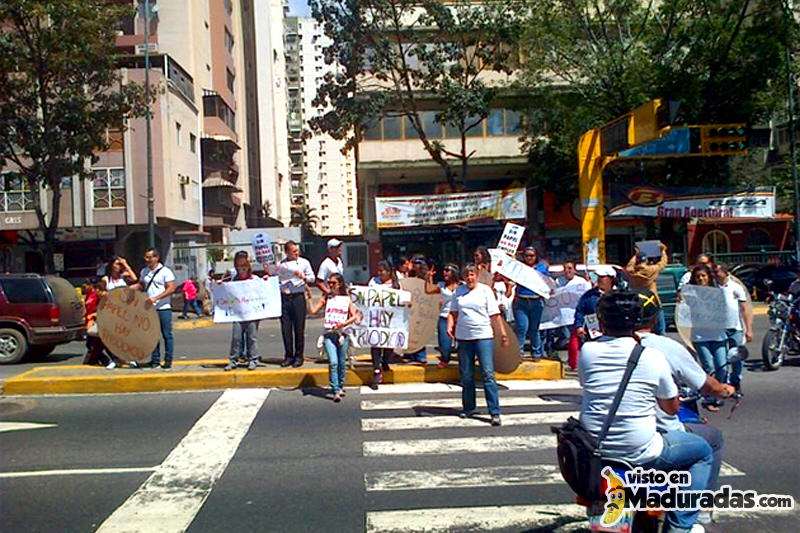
37, 313
667, 283
781, 277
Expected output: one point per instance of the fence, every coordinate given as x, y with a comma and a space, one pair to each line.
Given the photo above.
737, 258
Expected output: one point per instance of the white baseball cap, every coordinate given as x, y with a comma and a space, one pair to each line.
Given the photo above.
333, 243
605, 270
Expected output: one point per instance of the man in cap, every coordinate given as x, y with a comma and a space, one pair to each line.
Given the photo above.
332, 264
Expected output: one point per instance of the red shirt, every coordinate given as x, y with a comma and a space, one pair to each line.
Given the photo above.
189, 290
91, 303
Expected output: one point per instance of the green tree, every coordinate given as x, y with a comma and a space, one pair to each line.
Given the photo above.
306, 218
398, 58
60, 92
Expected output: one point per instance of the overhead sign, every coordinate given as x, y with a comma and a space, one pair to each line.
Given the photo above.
512, 236
241, 301
128, 324
520, 273
676, 142
382, 317
691, 202
456, 208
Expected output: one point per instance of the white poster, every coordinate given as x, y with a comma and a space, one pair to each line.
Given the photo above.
456, 208
382, 317
253, 299
337, 311
262, 246
703, 308
520, 273
512, 236
559, 310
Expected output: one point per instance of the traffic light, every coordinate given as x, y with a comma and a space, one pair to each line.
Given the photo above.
723, 139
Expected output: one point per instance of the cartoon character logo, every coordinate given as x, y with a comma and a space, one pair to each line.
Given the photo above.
615, 493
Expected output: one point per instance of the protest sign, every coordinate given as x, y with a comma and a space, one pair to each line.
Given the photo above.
702, 314
252, 299
128, 324
649, 248
262, 246
506, 359
559, 310
382, 317
520, 273
512, 236
337, 311
423, 315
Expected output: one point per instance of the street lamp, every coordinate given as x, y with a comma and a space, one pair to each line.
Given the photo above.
151, 226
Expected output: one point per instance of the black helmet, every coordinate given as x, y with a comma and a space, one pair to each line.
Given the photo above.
650, 306
619, 310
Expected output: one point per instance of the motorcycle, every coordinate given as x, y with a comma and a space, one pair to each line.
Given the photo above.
783, 337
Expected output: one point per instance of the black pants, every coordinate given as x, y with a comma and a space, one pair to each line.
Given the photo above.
293, 325
380, 358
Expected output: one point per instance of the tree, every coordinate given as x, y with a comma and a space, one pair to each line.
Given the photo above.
306, 218
593, 61
400, 57
60, 93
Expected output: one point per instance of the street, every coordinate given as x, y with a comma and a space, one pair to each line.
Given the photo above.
291, 460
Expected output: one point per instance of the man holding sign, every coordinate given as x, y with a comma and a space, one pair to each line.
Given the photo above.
294, 274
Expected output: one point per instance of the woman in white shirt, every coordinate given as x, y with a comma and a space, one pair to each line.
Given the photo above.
385, 277
447, 290
118, 274
474, 308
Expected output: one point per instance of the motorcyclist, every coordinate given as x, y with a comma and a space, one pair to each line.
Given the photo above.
687, 374
632, 436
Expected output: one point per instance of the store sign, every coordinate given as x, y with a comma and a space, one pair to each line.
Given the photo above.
691, 202
456, 208
87, 233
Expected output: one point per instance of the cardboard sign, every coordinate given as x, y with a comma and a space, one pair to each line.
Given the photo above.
262, 246
337, 311
592, 325
241, 301
649, 248
559, 310
382, 317
512, 236
128, 324
506, 360
521, 273
423, 316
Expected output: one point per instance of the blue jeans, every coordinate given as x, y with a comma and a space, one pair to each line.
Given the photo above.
484, 349
661, 322
688, 452
528, 316
713, 358
417, 357
735, 377
336, 347
244, 340
165, 321
713, 437
445, 342
192, 305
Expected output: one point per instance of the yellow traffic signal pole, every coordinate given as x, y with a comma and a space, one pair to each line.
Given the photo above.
590, 189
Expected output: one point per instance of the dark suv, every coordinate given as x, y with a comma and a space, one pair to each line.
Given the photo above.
37, 314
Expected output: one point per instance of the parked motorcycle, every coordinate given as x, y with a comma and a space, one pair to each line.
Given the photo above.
783, 337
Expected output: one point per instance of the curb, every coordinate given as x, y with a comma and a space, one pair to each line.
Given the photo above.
77, 379
198, 323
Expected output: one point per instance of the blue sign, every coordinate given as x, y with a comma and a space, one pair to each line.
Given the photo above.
674, 143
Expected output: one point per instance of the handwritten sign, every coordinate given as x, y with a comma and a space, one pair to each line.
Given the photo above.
521, 273
506, 359
703, 308
252, 299
337, 311
128, 324
423, 316
559, 310
382, 317
262, 246
512, 236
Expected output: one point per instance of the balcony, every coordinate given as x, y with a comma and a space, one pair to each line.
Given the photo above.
214, 107
176, 75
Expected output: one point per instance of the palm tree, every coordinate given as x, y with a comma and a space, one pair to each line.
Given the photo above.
306, 218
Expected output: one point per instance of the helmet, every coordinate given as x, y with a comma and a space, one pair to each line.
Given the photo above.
650, 306
619, 310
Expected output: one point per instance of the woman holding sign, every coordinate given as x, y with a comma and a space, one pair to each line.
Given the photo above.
385, 275
474, 308
339, 313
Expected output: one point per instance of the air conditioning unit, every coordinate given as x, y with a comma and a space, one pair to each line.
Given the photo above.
184, 180
140, 48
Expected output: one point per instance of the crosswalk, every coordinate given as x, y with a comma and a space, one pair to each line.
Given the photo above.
429, 456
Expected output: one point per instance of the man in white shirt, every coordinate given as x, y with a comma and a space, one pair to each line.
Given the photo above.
739, 327
158, 281
332, 264
633, 436
294, 274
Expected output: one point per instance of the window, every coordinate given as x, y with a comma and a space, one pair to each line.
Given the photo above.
108, 187
230, 79
432, 128
15, 195
25, 291
115, 141
477, 129
513, 122
178, 133
373, 130
759, 239
228, 41
494, 123
716, 242
392, 128
193, 143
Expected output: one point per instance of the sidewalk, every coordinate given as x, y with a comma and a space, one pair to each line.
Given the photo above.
204, 374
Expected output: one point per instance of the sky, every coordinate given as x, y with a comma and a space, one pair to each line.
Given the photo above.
299, 8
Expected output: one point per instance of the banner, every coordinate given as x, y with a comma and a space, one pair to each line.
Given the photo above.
512, 236
252, 299
520, 273
382, 317
262, 246
456, 208
337, 311
559, 310
128, 324
691, 202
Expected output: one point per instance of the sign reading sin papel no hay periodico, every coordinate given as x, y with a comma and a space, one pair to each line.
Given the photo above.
241, 301
128, 324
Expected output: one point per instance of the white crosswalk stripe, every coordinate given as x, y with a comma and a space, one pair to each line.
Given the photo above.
454, 403
432, 422
394, 448
512, 385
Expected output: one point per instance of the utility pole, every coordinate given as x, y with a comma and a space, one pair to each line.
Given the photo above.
151, 224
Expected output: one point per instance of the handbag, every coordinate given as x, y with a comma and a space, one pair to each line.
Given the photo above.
579, 453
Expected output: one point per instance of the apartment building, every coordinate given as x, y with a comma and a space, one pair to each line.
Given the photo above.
323, 179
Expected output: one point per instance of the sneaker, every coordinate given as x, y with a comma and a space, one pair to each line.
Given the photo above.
705, 517
167, 365
112, 365
466, 414
495, 420
297, 363
337, 398
251, 365
133, 364
342, 393
153, 365
230, 366
286, 362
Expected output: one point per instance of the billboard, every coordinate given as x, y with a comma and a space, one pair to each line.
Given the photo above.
691, 202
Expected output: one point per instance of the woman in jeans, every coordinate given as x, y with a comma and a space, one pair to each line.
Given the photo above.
473, 310
528, 307
710, 344
447, 290
334, 340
